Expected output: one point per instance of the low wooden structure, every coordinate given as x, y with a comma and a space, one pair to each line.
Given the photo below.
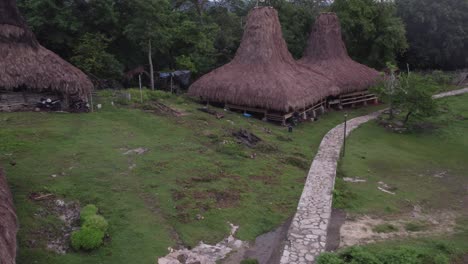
268, 115
351, 99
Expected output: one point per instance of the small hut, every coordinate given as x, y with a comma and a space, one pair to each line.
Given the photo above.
263, 76
8, 223
27, 66
326, 52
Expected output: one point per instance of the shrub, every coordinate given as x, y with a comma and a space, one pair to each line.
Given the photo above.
329, 258
231, 148
96, 222
88, 211
358, 255
441, 259
87, 238
400, 256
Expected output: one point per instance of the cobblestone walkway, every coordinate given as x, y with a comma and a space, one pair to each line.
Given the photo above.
307, 234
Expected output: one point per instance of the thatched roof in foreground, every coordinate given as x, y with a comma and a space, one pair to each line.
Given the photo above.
326, 52
263, 74
25, 63
8, 223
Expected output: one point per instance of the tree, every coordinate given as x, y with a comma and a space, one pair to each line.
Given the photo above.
437, 31
373, 33
149, 28
408, 92
91, 56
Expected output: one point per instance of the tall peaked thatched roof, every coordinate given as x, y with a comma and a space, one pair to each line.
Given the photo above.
326, 52
25, 63
263, 74
8, 223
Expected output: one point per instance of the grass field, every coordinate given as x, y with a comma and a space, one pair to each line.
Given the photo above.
421, 167
426, 168
192, 167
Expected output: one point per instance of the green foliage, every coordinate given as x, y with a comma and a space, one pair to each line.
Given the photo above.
329, 258
400, 256
87, 211
408, 92
93, 229
342, 196
91, 56
436, 32
385, 228
372, 31
96, 222
358, 255
87, 238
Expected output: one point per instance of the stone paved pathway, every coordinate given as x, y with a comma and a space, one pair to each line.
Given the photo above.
307, 234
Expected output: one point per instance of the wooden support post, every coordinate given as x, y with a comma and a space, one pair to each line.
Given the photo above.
322, 110
376, 101
364, 103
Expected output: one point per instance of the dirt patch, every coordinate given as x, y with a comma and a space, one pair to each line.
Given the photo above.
55, 235
247, 138
362, 230
337, 219
267, 248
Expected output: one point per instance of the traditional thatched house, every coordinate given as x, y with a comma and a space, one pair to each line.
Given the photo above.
326, 53
26, 65
263, 76
8, 223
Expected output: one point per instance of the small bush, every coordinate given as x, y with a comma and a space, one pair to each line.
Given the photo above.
87, 238
96, 222
88, 211
343, 197
441, 259
400, 256
329, 258
249, 261
385, 228
358, 255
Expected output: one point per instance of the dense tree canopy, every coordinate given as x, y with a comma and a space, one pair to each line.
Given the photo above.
372, 32
108, 37
437, 33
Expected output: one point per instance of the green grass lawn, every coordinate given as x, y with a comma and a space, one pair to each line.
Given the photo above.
428, 168
151, 200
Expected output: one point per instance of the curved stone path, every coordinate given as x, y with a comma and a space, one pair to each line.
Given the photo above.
307, 234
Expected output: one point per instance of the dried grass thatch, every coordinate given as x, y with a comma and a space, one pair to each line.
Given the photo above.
326, 52
263, 74
25, 63
8, 223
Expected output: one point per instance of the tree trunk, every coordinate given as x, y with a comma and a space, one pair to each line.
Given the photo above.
150, 59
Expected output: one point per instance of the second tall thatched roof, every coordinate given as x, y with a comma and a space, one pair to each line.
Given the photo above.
8, 223
263, 74
25, 63
326, 52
